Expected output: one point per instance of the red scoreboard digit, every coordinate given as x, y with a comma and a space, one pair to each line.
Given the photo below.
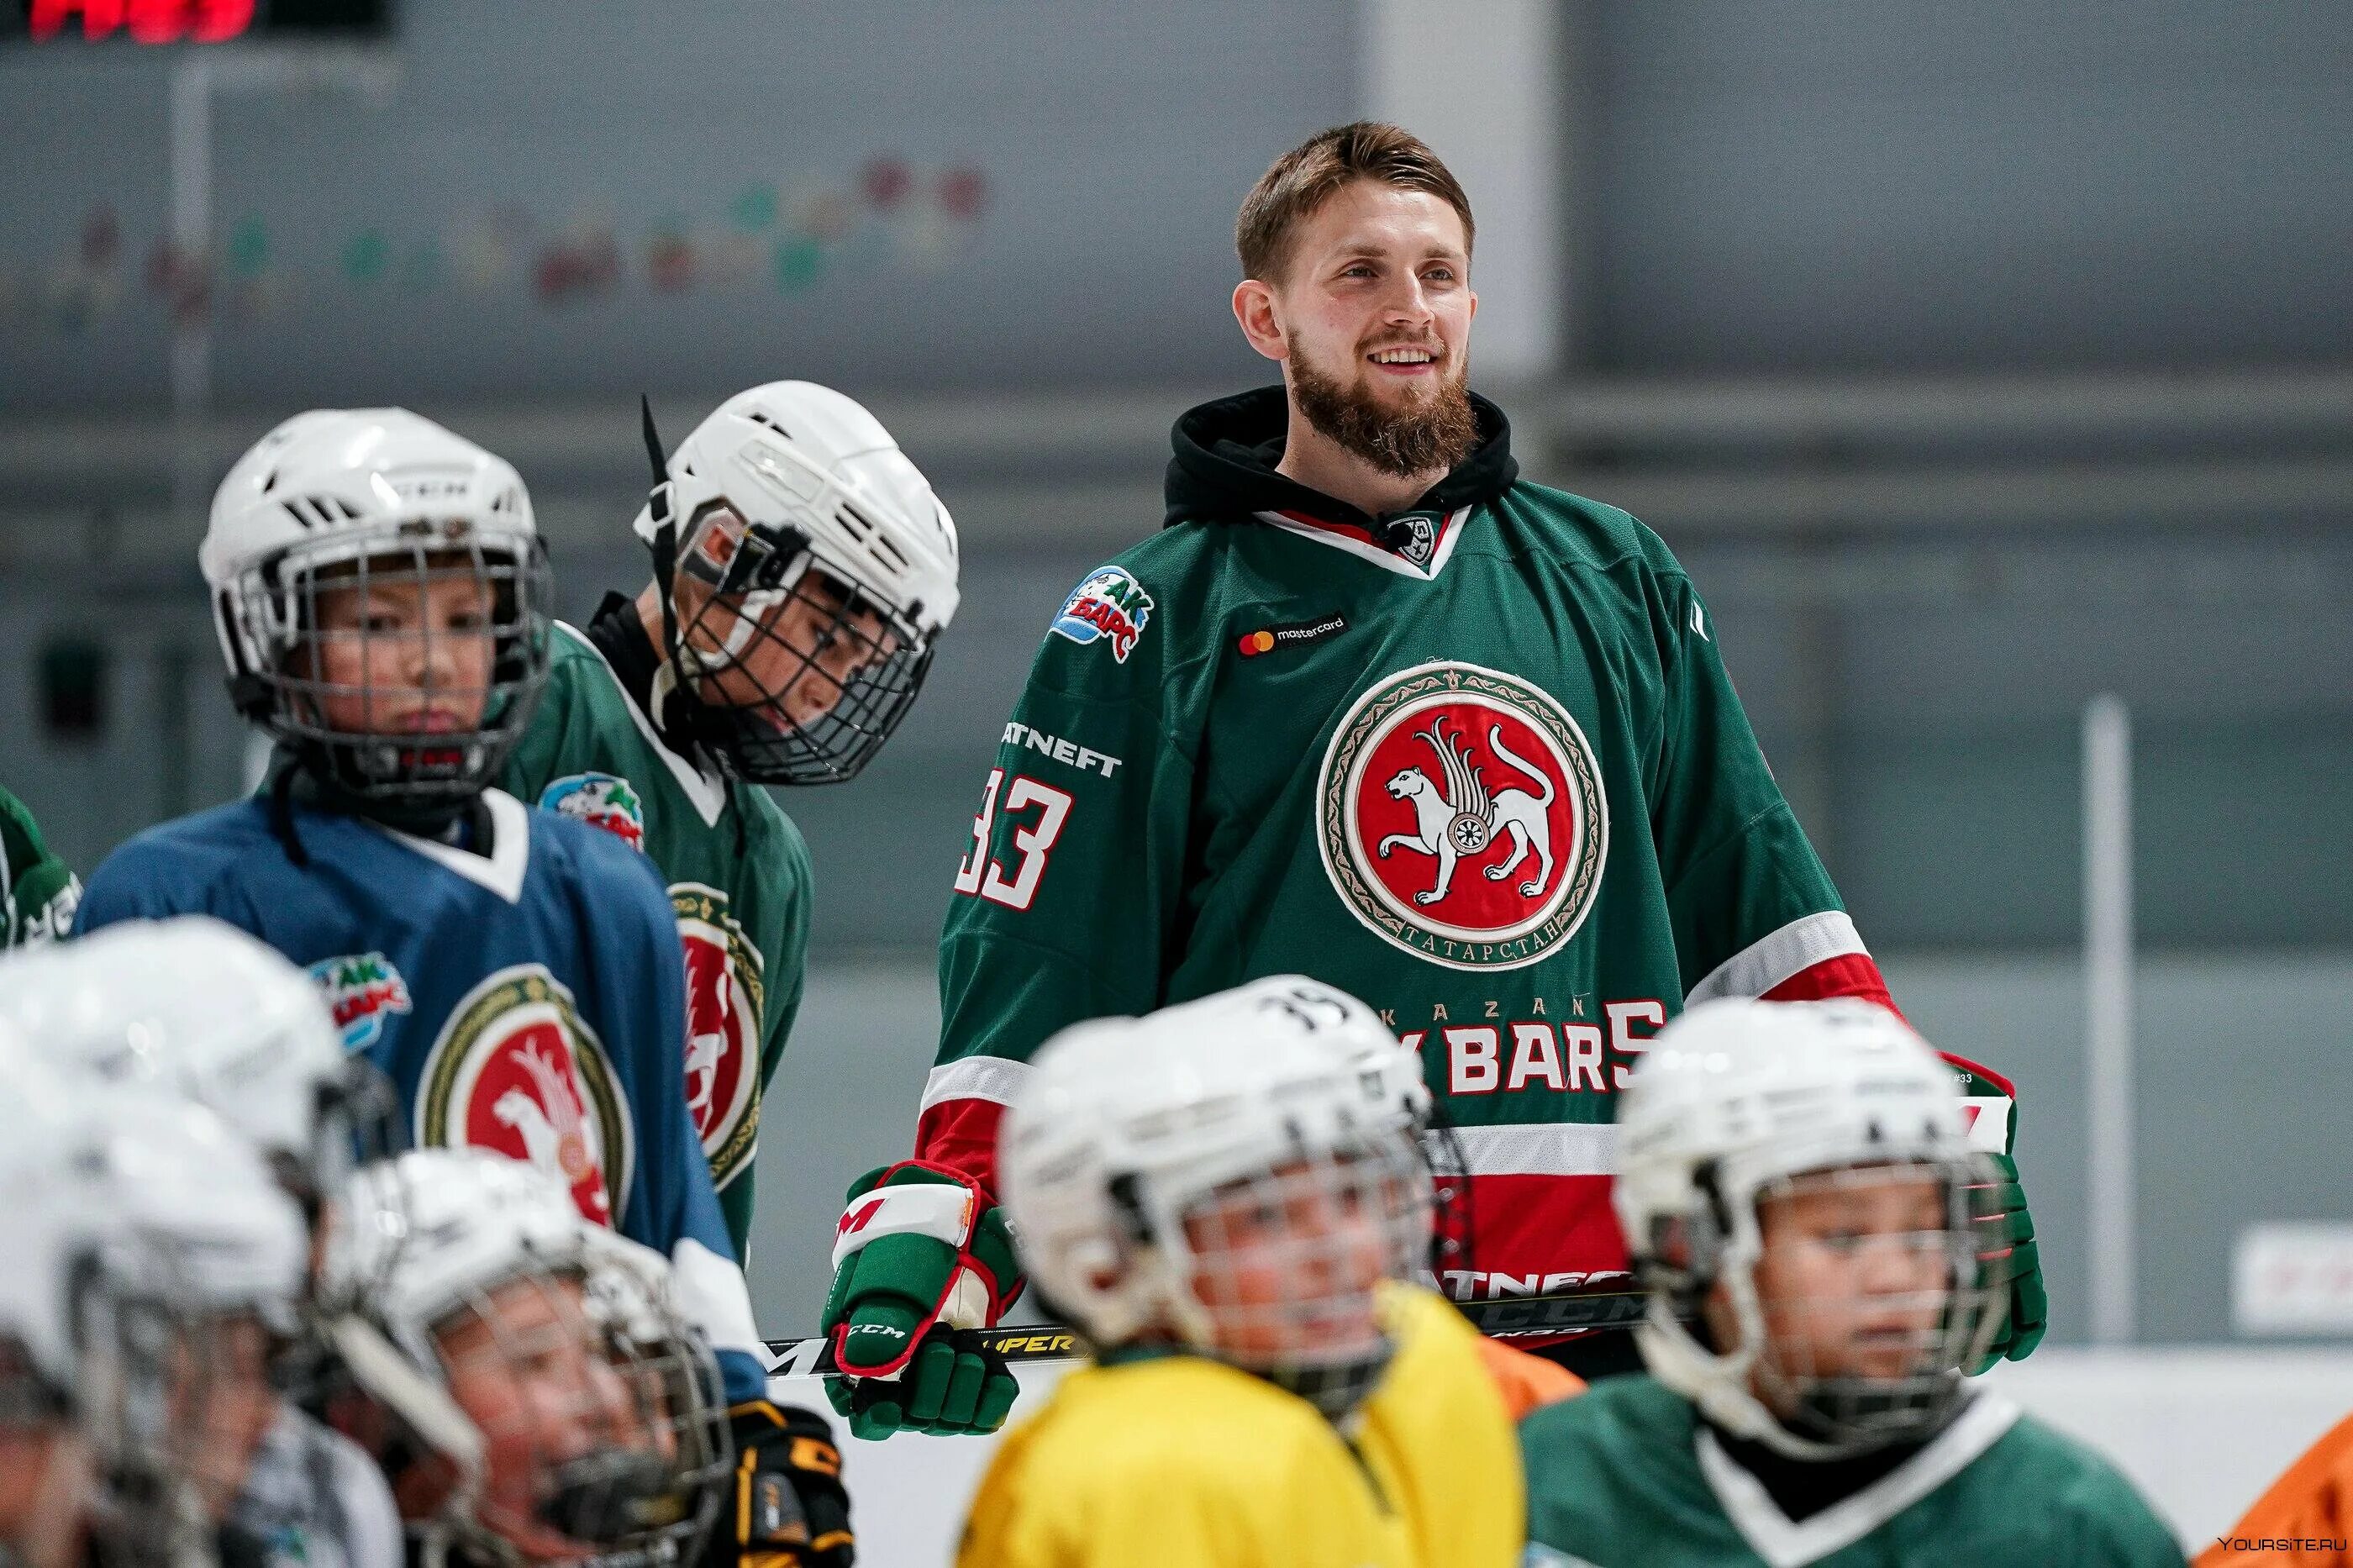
145, 21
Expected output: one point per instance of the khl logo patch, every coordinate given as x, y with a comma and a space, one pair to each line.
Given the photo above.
1461, 816
1110, 604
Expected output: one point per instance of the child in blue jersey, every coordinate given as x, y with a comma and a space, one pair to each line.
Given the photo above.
381, 595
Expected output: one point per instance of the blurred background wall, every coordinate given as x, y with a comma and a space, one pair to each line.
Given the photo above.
1978, 359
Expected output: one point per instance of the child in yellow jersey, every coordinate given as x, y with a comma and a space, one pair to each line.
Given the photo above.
1211, 1196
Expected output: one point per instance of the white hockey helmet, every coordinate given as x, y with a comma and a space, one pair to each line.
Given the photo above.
1127, 1128
1737, 1100
353, 496
136, 1225
1390, 1078
423, 1243
199, 1008
783, 480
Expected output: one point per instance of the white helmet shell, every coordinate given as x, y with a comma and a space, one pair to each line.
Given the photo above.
1734, 1096
51, 1211
1388, 1074
1124, 1124
335, 482
196, 1007
794, 455
202, 1197
415, 1238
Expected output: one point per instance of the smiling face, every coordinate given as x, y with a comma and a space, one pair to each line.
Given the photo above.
529, 1370
1369, 313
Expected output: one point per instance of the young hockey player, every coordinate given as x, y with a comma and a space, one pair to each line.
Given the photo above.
802, 571
380, 592
1799, 1195
38, 890
176, 1259
1209, 1197
196, 1008
525, 1375
92, 1465
1374, 707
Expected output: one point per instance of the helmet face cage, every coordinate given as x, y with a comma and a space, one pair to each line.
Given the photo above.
602, 1419
150, 1369
798, 676
1282, 1268
1881, 1359
287, 656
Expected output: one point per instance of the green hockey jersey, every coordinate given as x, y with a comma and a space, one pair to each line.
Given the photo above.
737, 868
37, 891
1478, 763
1625, 1476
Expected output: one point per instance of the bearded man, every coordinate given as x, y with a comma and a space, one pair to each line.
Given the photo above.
1373, 709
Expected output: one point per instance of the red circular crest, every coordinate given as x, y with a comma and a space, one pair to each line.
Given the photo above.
516, 1070
1463, 817
724, 1013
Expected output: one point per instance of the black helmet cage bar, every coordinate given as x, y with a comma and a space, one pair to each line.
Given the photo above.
287, 693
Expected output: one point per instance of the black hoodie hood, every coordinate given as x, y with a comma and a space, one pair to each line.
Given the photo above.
1227, 450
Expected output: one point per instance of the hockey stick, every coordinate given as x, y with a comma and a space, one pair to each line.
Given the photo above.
1565, 1312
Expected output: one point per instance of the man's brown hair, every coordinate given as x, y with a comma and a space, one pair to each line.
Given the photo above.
1303, 179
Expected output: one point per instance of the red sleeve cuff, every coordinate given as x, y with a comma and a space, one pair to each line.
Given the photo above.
1848, 974
960, 1136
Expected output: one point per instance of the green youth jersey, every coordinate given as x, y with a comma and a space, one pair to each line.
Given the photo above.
37, 891
1625, 1476
737, 870
1478, 763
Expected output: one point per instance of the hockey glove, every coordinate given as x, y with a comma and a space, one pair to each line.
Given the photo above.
2005, 1226
921, 1253
788, 1509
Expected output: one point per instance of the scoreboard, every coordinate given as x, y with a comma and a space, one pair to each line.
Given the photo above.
72, 24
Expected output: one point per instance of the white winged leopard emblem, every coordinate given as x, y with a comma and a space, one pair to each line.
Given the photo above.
1464, 819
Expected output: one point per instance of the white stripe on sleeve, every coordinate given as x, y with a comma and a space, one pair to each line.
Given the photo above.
974, 1077
1766, 962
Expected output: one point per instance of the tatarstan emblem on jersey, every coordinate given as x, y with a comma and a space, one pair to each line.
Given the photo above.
1111, 605
363, 989
517, 1070
1461, 816
726, 1002
600, 800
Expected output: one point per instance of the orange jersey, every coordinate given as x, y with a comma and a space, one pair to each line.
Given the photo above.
2305, 1519
1526, 1382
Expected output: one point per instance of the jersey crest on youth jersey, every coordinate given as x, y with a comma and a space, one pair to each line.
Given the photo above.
1462, 817
518, 1070
600, 800
363, 989
725, 999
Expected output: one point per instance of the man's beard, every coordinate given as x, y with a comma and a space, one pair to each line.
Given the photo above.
1427, 434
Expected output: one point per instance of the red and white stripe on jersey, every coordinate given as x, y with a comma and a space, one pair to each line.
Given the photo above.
1811, 959
963, 1102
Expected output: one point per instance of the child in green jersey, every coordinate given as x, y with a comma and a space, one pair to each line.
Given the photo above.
1802, 1199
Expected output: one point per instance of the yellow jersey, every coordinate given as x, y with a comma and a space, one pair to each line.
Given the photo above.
1179, 1461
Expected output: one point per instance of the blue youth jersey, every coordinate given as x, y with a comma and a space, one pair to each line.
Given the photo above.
529, 1001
